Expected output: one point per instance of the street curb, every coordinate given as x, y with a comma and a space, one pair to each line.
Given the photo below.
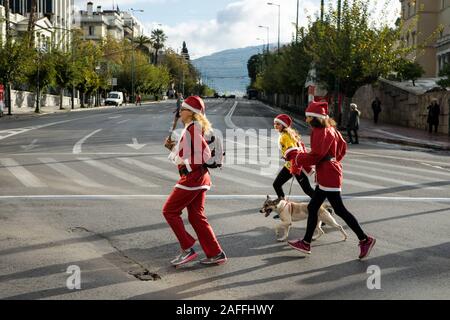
30, 115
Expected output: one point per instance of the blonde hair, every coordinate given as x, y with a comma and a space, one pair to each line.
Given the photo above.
293, 134
204, 122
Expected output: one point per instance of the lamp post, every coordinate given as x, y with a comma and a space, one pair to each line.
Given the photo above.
296, 24
262, 43
279, 8
132, 51
265, 27
336, 81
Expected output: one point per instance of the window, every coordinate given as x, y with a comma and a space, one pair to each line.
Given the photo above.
91, 30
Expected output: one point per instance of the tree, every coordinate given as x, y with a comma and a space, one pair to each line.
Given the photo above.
254, 66
15, 62
409, 70
445, 72
65, 72
143, 43
354, 55
158, 39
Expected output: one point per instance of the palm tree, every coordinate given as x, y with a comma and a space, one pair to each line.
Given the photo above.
158, 38
142, 43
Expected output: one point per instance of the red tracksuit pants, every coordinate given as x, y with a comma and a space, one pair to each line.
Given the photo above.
194, 201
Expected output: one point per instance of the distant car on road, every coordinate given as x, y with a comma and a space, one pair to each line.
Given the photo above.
114, 98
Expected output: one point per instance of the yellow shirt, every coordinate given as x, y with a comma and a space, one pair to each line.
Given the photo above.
285, 142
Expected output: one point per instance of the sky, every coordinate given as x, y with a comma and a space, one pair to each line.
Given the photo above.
210, 26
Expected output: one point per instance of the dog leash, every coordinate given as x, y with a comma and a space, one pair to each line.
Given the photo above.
290, 188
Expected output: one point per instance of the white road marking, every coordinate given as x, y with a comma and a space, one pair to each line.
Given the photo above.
23, 175
228, 121
211, 197
70, 173
172, 175
77, 146
123, 121
135, 145
374, 155
117, 173
115, 117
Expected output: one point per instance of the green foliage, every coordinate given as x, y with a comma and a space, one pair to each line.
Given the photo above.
15, 60
445, 72
409, 70
158, 38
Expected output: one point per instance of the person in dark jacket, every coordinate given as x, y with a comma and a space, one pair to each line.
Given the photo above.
353, 123
376, 107
434, 111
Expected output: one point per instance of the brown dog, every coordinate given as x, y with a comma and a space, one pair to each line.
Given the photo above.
292, 211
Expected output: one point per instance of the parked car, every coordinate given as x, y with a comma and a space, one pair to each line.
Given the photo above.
114, 98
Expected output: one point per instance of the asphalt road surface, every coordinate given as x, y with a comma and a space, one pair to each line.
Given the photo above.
84, 190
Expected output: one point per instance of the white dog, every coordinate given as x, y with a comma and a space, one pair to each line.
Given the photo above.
292, 211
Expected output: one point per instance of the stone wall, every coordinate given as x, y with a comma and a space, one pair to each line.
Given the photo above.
401, 107
24, 102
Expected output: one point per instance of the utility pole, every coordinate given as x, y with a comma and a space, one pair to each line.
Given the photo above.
296, 24
337, 114
8, 41
279, 9
321, 10
132, 52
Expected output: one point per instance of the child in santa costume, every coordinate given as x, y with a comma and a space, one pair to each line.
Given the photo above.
290, 140
190, 154
327, 151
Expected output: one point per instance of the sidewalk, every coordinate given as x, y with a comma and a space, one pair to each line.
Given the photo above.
402, 135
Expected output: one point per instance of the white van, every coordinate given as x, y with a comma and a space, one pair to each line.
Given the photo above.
114, 98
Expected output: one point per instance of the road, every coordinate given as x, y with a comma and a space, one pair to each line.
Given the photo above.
86, 189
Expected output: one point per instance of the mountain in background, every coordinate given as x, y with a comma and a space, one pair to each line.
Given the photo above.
226, 71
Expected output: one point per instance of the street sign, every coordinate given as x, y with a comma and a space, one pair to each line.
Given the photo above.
113, 82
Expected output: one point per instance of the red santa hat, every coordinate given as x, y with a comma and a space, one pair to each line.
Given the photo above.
317, 109
195, 104
283, 119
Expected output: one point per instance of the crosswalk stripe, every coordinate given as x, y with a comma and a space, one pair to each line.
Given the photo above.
394, 181
172, 175
421, 178
117, 173
220, 174
23, 175
398, 167
70, 173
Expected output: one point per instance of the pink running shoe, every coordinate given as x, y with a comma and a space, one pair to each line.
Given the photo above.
366, 246
300, 245
184, 257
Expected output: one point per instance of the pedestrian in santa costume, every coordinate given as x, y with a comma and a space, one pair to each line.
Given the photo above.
190, 154
290, 140
328, 148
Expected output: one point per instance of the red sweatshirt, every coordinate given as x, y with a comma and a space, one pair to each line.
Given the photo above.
190, 153
328, 148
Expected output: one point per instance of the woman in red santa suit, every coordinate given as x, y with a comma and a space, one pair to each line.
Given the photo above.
327, 150
190, 154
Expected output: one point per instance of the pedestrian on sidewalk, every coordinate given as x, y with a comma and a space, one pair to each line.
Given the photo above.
376, 107
434, 110
138, 100
177, 111
290, 139
353, 123
190, 155
328, 148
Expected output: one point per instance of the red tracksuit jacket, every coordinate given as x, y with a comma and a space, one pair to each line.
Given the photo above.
328, 148
190, 153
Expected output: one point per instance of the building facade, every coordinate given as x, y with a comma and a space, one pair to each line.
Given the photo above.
427, 24
58, 12
98, 24
43, 31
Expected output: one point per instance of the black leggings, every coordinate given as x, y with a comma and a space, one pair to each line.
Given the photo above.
284, 175
334, 197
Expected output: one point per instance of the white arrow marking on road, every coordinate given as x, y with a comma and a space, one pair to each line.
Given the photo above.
32, 145
136, 145
77, 146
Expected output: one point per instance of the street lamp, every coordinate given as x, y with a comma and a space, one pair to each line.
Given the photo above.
262, 43
279, 7
267, 36
132, 51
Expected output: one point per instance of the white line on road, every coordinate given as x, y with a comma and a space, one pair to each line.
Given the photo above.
171, 175
77, 146
210, 197
228, 121
123, 121
117, 173
70, 173
115, 117
23, 175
